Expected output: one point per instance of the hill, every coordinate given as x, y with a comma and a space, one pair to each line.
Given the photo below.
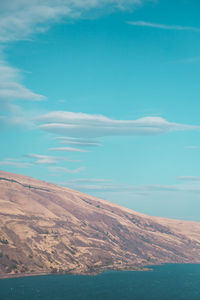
46, 228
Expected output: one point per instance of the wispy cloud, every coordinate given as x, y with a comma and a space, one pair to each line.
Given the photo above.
14, 90
44, 159
88, 181
96, 185
61, 170
10, 86
67, 149
188, 178
163, 26
19, 19
16, 118
80, 143
15, 163
32, 159
110, 187
11, 89
92, 126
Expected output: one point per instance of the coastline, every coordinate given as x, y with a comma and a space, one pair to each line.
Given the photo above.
96, 272
145, 268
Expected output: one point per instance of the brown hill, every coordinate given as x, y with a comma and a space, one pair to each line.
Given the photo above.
46, 228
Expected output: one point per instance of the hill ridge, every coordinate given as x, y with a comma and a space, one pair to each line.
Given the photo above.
47, 228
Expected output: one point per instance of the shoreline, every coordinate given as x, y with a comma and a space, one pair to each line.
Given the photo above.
33, 274
145, 268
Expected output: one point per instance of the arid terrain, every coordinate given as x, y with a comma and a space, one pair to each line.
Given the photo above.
46, 228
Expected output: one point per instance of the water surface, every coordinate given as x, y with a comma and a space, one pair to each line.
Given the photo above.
163, 282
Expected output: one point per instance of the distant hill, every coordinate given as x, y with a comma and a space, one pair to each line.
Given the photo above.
46, 228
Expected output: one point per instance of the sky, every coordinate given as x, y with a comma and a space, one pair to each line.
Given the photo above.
102, 96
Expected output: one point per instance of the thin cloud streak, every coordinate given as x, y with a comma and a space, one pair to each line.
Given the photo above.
163, 26
44, 159
62, 170
67, 149
78, 141
88, 180
81, 144
110, 187
15, 163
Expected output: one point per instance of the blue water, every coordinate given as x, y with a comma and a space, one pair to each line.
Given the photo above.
163, 282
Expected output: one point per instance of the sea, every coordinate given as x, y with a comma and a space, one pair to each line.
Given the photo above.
171, 281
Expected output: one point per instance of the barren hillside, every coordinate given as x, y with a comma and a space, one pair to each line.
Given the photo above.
46, 228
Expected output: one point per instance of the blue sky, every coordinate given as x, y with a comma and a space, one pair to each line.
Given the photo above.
103, 97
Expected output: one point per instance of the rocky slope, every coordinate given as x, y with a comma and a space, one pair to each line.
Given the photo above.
46, 228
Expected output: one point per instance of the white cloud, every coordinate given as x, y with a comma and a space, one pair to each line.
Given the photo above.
32, 159
163, 26
88, 180
44, 159
67, 138
91, 126
14, 163
102, 185
65, 170
110, 187
19, 19
98, 186
10, 86
67, 149
79, 142
10, 90
13, 90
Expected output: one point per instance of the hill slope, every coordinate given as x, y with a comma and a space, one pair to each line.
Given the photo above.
45, 228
